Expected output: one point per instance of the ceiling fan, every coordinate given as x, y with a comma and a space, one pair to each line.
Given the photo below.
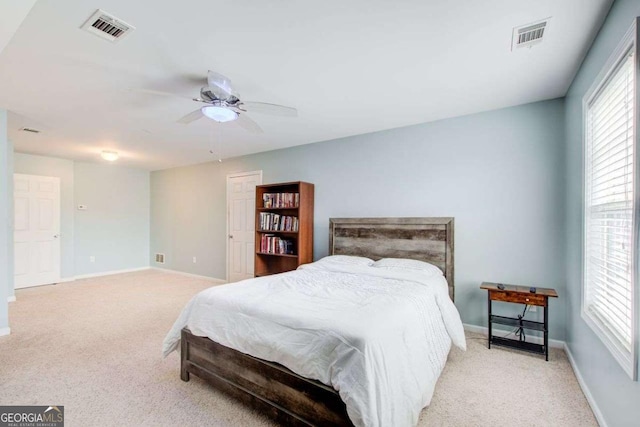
223, 104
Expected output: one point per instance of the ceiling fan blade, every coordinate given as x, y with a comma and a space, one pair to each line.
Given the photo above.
220, 85
161, 93
248, 124
191, 117
273, 109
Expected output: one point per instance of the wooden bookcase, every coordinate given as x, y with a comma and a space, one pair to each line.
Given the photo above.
300, 249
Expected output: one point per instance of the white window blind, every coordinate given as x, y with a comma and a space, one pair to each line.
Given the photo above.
609, 208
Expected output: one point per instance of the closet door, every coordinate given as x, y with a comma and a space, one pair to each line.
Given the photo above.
241, 203
36, 230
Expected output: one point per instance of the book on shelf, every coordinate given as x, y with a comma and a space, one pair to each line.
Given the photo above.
270, 244
276, 222
281, 200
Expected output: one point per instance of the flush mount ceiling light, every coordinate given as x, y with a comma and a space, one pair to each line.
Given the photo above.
110, 156
219, 114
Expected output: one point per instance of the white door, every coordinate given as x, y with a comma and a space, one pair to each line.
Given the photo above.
36, 230
241, 204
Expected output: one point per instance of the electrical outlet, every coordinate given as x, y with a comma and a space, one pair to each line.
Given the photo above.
92, 259
195, 260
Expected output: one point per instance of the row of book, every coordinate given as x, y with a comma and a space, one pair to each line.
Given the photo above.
274, 222
281, 200
270, 244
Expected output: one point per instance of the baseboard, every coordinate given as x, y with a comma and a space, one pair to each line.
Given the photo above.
585, 389
89, 276
109, 273
12, 298
197, 276
5, 331
64, 280
538, 340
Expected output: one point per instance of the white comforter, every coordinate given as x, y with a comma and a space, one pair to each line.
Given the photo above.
379, 337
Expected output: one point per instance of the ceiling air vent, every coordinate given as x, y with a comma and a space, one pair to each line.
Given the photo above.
107, 26
160, 258
31, 130
528, 35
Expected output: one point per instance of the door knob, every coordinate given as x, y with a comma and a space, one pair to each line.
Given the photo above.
55, 236
231, 236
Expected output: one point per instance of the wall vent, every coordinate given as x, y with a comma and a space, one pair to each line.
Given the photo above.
160, 258
31, 130
529, 35
107, 26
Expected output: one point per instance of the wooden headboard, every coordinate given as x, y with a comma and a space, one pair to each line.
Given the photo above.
424, 239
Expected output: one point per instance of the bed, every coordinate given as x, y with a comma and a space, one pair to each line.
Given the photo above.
330, 333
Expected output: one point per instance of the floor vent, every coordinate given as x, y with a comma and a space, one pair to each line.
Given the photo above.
529, 35
107, 26
160, 258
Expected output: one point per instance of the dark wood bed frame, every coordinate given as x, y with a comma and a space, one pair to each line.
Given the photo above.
276, 391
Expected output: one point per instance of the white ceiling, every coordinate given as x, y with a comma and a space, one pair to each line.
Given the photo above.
349, 67
11, 16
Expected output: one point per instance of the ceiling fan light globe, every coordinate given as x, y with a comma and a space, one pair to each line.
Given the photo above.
219, 114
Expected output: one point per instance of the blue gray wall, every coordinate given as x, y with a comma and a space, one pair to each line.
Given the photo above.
6, 223
497, 173
115, 227
616, 396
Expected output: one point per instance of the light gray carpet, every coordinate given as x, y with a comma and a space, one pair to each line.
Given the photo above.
94, 346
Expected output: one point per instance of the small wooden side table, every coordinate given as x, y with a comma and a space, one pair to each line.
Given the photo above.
520, 295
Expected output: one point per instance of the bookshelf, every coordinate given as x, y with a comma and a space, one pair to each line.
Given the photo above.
284, 227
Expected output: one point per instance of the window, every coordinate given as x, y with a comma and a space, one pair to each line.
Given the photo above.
611, 206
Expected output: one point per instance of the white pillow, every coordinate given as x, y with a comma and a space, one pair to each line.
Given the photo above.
407, 264
347, 260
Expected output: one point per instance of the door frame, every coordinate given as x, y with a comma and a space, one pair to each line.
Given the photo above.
226, 189
58, 206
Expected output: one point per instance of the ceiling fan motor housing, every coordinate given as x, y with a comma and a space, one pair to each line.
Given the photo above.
207, 94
